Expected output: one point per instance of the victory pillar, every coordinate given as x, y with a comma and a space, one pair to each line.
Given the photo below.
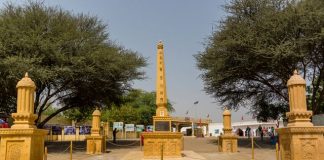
162, 135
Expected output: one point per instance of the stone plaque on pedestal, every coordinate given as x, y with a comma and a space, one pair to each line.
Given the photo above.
162, 126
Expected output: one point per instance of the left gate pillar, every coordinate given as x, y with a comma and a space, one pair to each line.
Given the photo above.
95, 142
23, 141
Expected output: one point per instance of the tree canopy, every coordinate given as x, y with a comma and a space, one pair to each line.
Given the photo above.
249, 59
70, 57
138, 107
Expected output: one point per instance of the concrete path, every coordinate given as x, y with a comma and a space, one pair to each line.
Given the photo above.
195, 149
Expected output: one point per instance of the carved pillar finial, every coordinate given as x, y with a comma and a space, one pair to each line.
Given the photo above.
227, 122
298, 115
25, 117
95, 122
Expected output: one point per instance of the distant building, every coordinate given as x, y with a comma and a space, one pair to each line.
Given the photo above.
215, 129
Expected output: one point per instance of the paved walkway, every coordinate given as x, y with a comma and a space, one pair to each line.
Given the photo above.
195, 149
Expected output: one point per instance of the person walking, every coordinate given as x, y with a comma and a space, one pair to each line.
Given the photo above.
114, 135
261, 132
248, 130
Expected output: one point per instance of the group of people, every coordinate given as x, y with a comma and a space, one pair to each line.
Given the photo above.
260, 131
4, 123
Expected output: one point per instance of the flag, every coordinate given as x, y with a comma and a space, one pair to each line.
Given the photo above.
196, 102
187, 112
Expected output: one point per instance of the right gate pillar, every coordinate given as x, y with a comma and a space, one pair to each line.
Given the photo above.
300, 140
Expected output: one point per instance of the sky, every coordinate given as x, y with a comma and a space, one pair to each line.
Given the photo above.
182, 25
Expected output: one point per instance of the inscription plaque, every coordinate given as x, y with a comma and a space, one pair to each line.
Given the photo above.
162, 126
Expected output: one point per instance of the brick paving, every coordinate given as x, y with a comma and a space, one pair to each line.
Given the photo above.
195, 148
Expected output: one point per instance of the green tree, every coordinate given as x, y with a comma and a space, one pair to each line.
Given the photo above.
138, 107
124, 113
70, 57
50, 110
78, 115
251, 56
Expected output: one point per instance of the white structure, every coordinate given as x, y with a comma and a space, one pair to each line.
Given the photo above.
215, 129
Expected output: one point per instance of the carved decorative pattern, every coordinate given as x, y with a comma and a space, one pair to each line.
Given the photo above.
10, 131
308, 147
162, 118
170, 148
162, 135
228, 146
286, 150
300, 130
14, 150
301, 115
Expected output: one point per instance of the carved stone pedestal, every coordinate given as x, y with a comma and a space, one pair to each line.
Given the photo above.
171, 141
22, 144
227, 143
301, 143
95, 144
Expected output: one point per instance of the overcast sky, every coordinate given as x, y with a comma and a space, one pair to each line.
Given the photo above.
182, 25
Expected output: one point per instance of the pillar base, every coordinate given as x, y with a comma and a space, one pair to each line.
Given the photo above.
162, 123
172, 144
299, 119
95, 144
227, 143
299, 143
22, 144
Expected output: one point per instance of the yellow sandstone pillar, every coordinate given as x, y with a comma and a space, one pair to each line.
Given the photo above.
298, 115
162, 121
95, 142
300, 139
227, 141
227, 122
23, 141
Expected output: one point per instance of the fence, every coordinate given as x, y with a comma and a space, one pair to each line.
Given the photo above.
76, 136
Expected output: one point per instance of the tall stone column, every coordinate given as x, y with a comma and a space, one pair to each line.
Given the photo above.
300, 139
162, 136
23, 140
227, 141
95, 142
161, 120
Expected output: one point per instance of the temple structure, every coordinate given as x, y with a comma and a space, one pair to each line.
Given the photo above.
95, 142
162, 136
300, 139
228, 141
23, 140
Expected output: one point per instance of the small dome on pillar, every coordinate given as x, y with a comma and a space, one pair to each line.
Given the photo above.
160, 45
96, 112
26, 82
296, 79
226, 112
